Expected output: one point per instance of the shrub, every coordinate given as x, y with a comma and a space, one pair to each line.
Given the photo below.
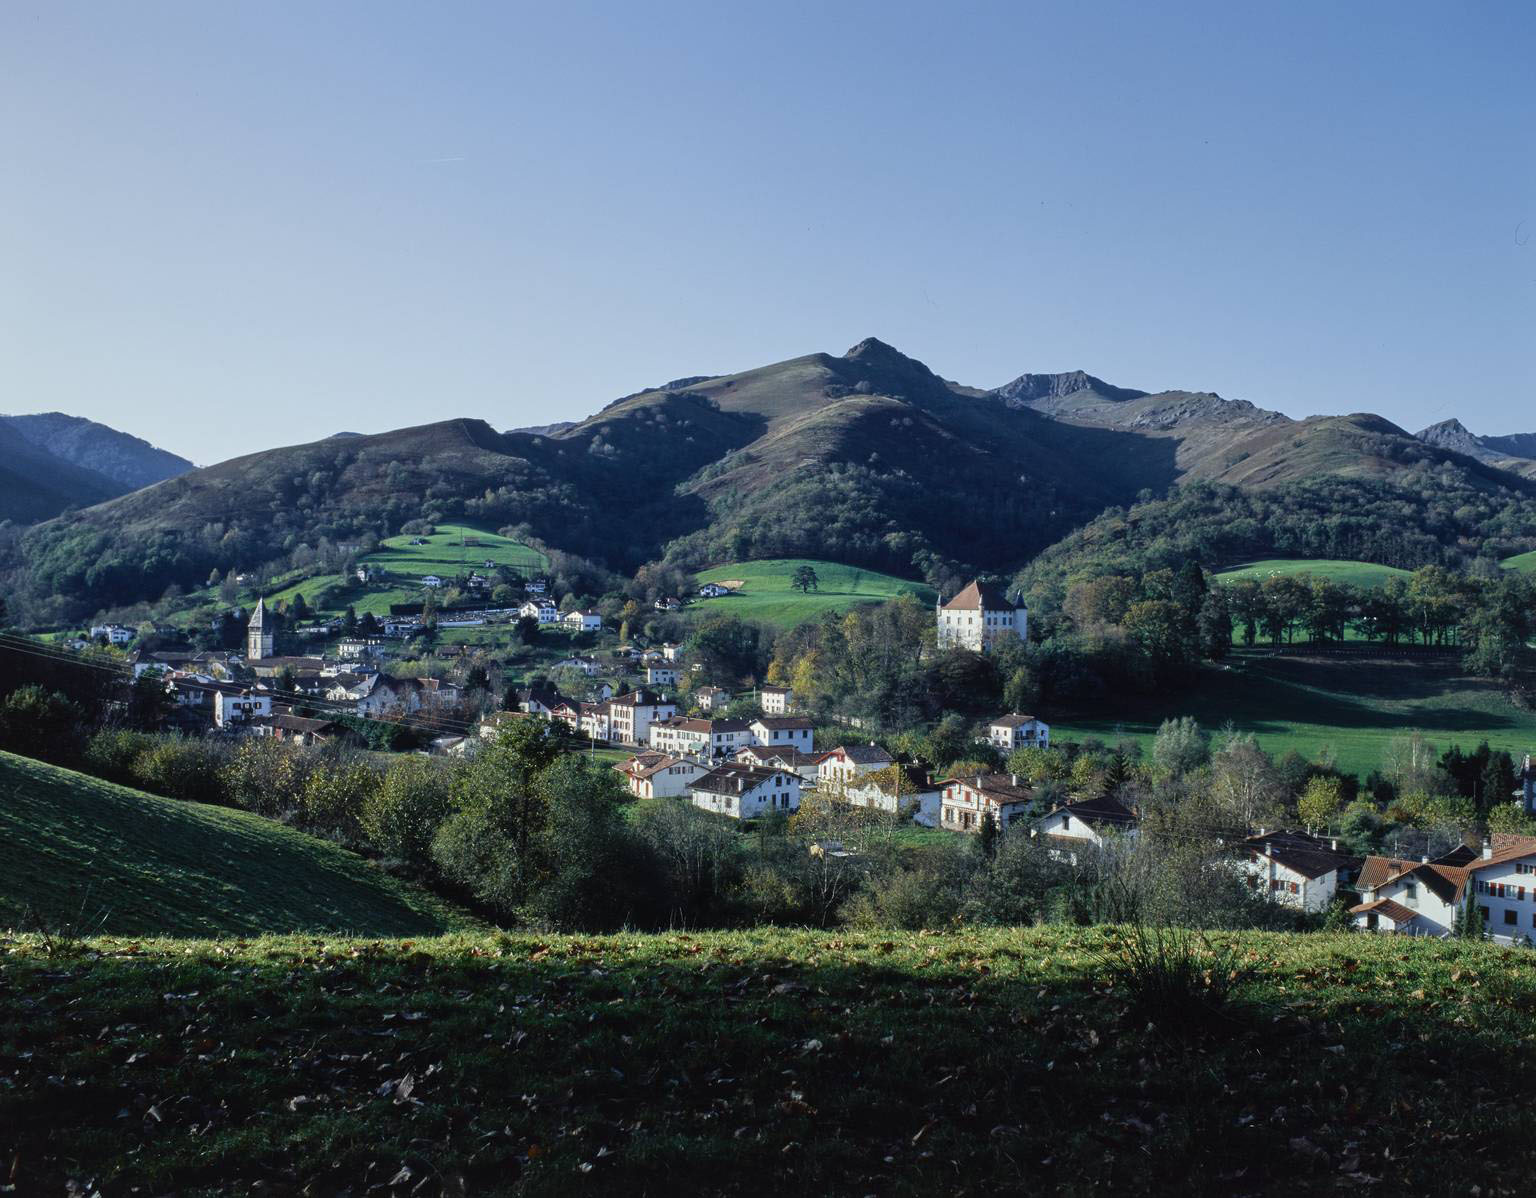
111, 752
40, 723
182, 768
1174, 977
400, 816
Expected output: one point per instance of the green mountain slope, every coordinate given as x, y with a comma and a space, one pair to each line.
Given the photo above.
868, 457
87, 852
761, 590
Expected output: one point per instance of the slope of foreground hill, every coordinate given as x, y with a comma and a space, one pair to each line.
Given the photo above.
84, 853
759, 1062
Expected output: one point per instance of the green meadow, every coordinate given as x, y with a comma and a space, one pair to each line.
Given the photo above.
1359, 574
763, 592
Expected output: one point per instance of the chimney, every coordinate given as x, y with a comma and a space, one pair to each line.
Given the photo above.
1334, 844
1269, 850
1487, 848
1423, 858
1013, 779
1262, 829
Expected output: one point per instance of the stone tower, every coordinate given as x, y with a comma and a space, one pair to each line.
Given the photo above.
258, 637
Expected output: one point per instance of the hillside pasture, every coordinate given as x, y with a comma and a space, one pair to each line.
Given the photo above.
762, 590
1525, 563
1354, 705
454, 549
1001, 1061
1358, 574
84, 851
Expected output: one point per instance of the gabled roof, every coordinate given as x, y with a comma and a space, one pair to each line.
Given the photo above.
1105, 810
733, 777
980, 595
998, 788
1507, 846
1396, 912
644, 765
639, 698
861, 754
1301, 853
780, 722
1013, 720
910, 779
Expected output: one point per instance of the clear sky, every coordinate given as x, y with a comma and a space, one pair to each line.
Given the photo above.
228, 226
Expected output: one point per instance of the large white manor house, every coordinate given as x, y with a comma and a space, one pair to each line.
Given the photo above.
978, 616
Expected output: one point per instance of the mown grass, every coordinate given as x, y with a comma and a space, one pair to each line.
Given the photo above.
767, 597
1352, 705
81, 852
1523, 562
1360, 574
756, 1062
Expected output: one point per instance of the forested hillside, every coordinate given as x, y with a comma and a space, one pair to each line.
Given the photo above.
868, 458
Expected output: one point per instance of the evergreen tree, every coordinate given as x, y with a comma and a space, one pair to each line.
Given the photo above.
986, 840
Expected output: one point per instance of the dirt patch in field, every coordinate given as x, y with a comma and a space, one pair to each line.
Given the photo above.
734, 583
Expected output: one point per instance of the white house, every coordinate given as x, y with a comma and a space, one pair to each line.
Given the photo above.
595, 721
745, 791
712, 698
776, 700
671, 651
1297, 869
116, 634
580, 663
583, 621
1015, 731
1414, 897
776, 757
431, 580
630, 715
898, 789
541, 610
838, 768
713, 590
231, 706
536, 586
791, 731
965, 802
1075, 826
706, 739
978, 616
660, 775
1503, 885
660, 675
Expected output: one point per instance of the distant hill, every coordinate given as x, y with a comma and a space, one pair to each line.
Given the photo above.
127, 460
125, 862
868, 458
1516, 452
35, 484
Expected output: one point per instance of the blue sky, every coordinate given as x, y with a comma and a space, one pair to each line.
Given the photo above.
224, 227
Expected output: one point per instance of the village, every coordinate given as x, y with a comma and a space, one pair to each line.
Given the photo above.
746, 753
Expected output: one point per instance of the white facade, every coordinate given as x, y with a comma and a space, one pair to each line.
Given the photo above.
744, 792
630, 716
707, 739
788, 731
541, 610
583, 621
776, 700
115, 634
898, 792
977, 617
965, 802
659, 775
659, 675
1503, 885
431, 580
241, 708
1012, 732
1288, 885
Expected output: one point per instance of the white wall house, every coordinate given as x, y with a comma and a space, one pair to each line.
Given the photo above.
115, 634
659, 775
583, 621
713, 590
745, 791
431, 580
776, 700
899, 789
978, 616
793, 732
1015, 731
239, 707
965, 802
1296, 869
595, 721
837, 769
630, 715
541, 610
661, 675
1412, 897
709, 740
1503, 885
712, 698
1091, 823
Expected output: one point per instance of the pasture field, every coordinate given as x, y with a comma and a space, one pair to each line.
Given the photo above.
832, 1063
763, 592
87, 852
1353, 705
1523, 562
1359, 574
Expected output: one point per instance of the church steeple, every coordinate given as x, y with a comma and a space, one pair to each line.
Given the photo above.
258, 637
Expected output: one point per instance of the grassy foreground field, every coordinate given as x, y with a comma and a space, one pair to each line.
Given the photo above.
1352, 704
1359, 574
82, 851
758, 1062
763, 591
